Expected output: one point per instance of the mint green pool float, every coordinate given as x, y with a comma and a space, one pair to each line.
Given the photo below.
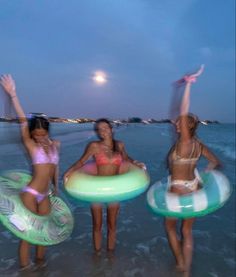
86, 185
214, 193
41, 230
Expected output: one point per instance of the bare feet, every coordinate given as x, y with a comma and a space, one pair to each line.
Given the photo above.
26, 268
40, 263
97, 255
180, 267
186, 273
111, 255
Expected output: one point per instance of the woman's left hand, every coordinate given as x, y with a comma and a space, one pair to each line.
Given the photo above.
140, 164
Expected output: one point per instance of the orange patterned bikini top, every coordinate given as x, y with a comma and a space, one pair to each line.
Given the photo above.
102, 159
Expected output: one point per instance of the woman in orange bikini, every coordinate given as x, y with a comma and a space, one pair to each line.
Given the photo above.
108, 155
44, 155
182, 160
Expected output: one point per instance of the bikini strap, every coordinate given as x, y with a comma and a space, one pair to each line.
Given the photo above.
175, 154
199, 144
192, 151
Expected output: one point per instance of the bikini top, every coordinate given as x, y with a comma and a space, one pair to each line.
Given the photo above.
177, 159
102, 159
41, 157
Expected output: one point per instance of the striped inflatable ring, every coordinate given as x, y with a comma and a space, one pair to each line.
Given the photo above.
215, 191
86, 185
41, 230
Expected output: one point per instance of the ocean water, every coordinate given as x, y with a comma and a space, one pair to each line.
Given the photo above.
142, 248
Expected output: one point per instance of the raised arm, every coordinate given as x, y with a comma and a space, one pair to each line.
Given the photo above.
89, 152
185, 103
9, 87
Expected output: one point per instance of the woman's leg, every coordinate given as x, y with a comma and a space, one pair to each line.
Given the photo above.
44, 208
112, 212
24, 253
187, 243
170, 225
24, 247
96, 210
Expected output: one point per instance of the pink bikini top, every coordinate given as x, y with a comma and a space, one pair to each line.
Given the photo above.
102, 159
41, 157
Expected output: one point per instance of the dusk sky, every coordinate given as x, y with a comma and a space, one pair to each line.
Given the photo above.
53, 48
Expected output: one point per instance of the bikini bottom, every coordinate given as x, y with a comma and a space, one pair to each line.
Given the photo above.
191, 185
38, 195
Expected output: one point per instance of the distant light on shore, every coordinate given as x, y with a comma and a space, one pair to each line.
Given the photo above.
100, 77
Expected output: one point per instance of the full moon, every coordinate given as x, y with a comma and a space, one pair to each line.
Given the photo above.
100, 77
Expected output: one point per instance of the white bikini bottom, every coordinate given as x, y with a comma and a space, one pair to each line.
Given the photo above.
188, 184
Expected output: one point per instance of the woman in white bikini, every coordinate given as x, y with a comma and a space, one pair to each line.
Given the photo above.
182, 161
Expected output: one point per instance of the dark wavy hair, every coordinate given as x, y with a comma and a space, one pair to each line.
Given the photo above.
105, 120
38, 122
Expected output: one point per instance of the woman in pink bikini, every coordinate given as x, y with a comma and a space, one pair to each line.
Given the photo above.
108, 155
44, 155
182, 161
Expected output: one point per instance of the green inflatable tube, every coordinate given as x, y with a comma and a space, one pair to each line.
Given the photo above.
41, 230
86, 185
214, 193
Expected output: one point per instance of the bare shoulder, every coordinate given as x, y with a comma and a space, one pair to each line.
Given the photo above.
93, 145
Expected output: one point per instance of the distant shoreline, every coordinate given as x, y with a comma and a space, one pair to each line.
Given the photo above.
116, 121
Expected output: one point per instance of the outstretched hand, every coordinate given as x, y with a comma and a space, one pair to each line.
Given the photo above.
192, 77
8, 84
